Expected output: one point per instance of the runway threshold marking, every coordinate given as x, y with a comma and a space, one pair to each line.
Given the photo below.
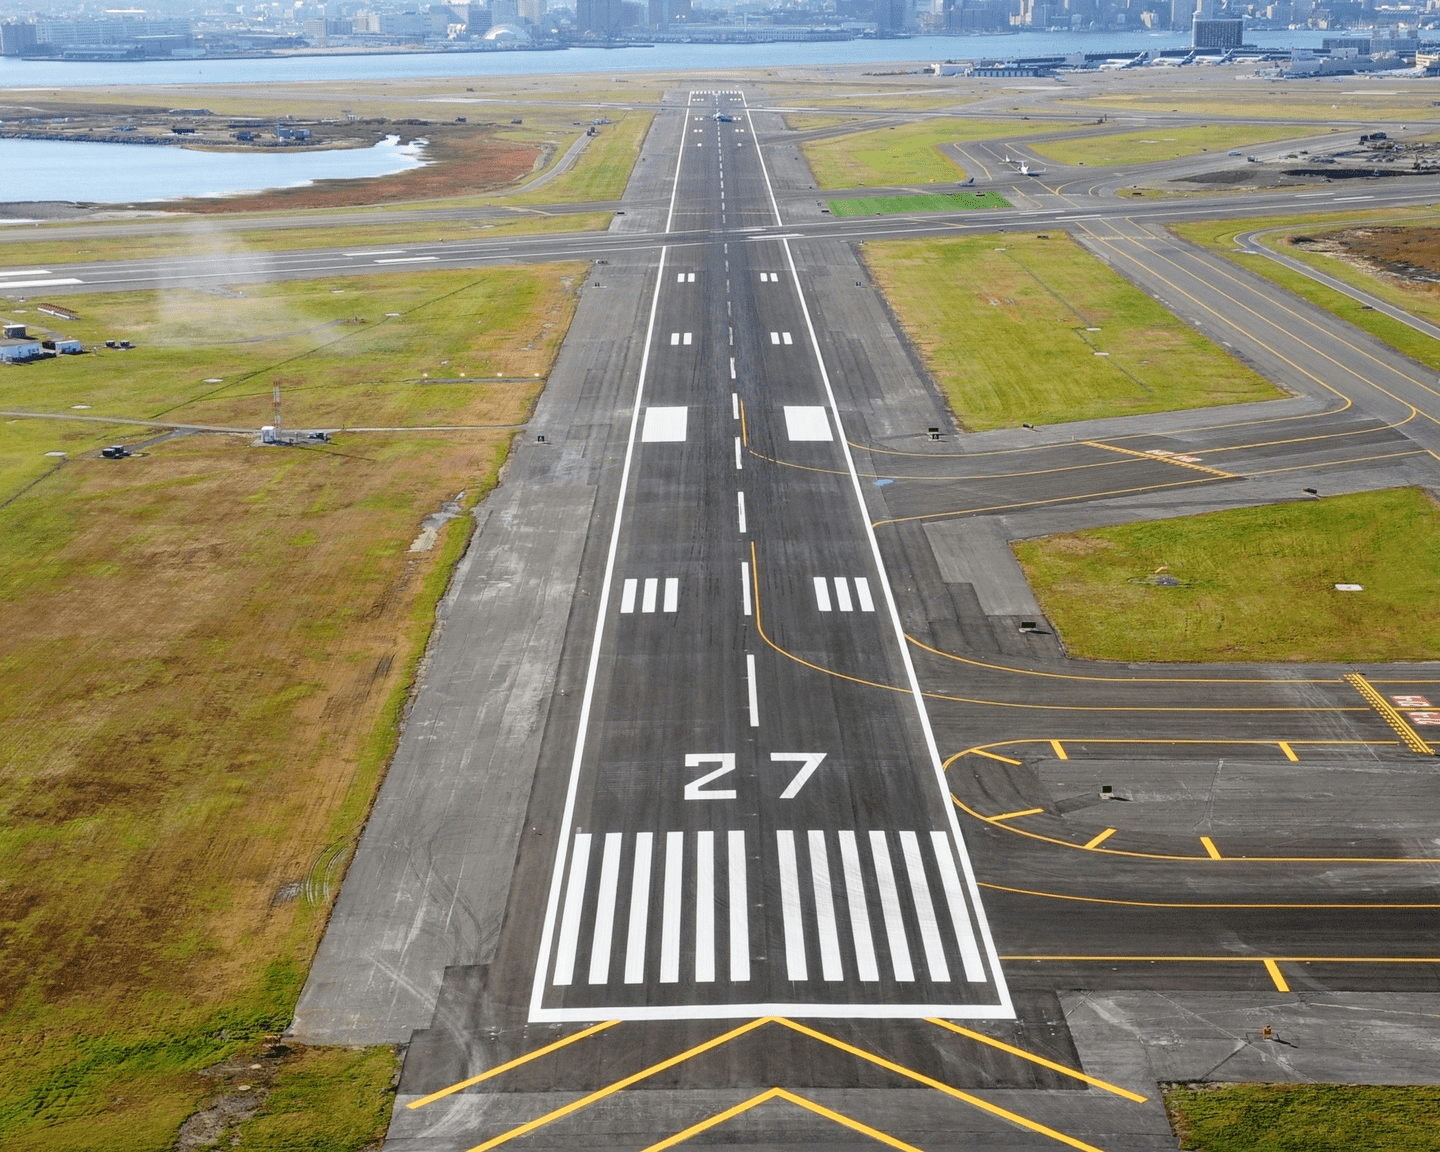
1408, 736
780, 1094
1093, 1081
509, 1064
824, 1038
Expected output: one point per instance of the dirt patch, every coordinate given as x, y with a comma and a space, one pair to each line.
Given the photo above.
1409, 256
461, 164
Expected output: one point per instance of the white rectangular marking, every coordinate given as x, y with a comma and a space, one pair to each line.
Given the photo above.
739, 910
786, 337
955, 898
822, 593
674, 339
842, 594
46, 271
380, 252
627, 596
570, 919
647, 602
605, 909
807, 422
734, 403
670, 913
830, 967
739, 462
40, 283
890, 908
862, 593
672, 594
740, 501
407, 260
732, 367
754, 693
639, 909
680, 277
690, 276
924, 909
745, 585
790, 907
664, 425
704, 907
774, 337
859, 915
688, 337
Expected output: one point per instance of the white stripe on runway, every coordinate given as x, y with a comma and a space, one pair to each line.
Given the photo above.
739, 462
670, 913
924, 909
842, 594
739, 910
39, 283
790, 907
862, 593
890, 908
627, 597
745, 585
859, 915
570, 920
605, 909
830, 967
822, 593
955, 898
753, 691
704, 907
639, 909
647, 602
740, 501
672, 594
407, 260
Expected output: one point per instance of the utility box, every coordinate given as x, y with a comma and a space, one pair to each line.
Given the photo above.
267, 434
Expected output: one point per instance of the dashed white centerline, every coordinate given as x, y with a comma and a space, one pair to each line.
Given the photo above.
753, 692
734, 401
381, 252
739, 462
740, 500
745, 585
407, 260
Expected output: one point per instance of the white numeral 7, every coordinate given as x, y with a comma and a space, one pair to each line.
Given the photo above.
696, 790
810, 760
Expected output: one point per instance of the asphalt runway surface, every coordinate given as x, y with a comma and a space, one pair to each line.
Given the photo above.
749, 798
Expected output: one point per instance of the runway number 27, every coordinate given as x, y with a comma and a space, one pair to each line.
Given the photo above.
696, 789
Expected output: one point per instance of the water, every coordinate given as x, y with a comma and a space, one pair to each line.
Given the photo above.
129, 173
43, 74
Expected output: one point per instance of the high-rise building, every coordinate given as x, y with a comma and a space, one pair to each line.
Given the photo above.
663, 13
1217, 33
16, 39
602, 17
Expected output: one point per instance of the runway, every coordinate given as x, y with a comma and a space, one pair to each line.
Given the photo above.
741, 805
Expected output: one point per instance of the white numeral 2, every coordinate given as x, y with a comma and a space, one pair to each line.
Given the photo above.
696, 790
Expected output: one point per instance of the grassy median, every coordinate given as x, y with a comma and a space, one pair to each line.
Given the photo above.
1305, 1117
1253, 583
1026, 329
905, 154
1163, 144
206, 650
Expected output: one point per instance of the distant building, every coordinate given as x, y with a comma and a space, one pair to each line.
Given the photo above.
16, 39
1182, 12
600, 17
1361, 44
16, 345
1217, 33
663, 13
504, 12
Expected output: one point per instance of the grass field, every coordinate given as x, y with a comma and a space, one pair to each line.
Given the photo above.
1257, 583
206, 651
200, 235
602, 170
1420, 300
889, 205
1305, 1117
1163, 143
907, 154
1020, 329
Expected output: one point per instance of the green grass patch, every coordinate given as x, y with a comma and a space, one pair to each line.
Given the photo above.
206, 652
890, 205
1421, 300
1020, 329
1164, 143
602, 170
1256, 583
1306, 1117
905, 154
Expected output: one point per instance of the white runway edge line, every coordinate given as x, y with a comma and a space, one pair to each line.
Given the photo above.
1003, 1008
634, 965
